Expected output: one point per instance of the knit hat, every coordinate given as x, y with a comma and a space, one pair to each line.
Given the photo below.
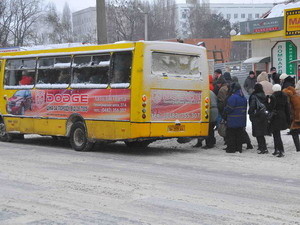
276, 87
283, 76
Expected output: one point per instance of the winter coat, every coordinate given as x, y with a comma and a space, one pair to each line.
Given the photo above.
249, 84
294, 107
236, 110
218, 83
279, 107
264, 81
275, 78
288, 82
214, 112
26, 80
222, 96
259, 120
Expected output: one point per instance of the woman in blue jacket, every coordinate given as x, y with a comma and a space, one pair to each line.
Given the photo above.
235, 113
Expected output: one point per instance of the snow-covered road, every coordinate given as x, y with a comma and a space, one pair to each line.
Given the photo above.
43, 181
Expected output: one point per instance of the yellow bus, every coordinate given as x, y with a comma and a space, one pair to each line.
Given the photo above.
136, 92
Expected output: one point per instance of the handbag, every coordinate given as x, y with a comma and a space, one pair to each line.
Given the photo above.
222, 128
260, 108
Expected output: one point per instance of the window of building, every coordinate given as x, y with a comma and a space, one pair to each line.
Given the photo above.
228, 16
91, 71
54, 72
20, 73
249, 16
121, 69
256, 15
236, 16
243, 15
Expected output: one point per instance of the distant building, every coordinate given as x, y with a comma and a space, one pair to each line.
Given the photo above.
240, 12
230, 11
84, 25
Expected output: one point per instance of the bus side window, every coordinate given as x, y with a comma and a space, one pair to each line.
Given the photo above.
81, 69
100, 69
20, 72
121, 69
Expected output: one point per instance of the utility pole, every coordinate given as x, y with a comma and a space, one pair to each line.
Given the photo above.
101, 22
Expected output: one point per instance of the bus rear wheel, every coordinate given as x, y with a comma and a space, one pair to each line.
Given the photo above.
137, 144
78, 138
4, 136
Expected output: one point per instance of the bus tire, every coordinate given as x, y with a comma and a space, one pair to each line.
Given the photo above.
4, 136
137, 144
78, 138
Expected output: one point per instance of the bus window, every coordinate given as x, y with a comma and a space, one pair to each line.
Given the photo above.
168, 64
121, 70
91, 71
54, 72
20, 73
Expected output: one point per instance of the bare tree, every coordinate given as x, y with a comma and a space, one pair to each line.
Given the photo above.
6, 17
66, 24
25, 14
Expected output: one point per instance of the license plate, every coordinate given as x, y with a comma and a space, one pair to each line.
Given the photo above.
174, 128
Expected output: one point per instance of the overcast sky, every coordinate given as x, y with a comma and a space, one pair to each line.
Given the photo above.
76, 5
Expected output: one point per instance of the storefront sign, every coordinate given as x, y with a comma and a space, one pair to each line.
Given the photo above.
283, 53
292, 22
262, 26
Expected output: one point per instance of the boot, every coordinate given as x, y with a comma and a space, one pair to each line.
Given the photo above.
199, 143
249, 146
280, 155
296, 142
276, 152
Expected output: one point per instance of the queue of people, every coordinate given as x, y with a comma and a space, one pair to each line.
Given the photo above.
274, 105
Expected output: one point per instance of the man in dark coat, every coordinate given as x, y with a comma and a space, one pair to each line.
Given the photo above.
250, 82
218, 80
235, 111
274, 76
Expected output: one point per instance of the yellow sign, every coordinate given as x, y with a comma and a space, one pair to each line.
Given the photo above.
292, 22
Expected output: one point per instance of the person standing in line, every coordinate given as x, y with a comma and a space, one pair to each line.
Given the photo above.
294, 114
235, 113
250, 82
227, 77
274, 76
244, 135
258, 118
210, 141
263, 80
218, 80
279, 108
286, 81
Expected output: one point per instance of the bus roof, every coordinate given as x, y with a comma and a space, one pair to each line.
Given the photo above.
64, 49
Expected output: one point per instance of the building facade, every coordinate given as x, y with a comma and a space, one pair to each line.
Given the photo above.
84, 25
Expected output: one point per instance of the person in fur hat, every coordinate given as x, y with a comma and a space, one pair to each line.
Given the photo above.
280, 120
294, 114
264, 81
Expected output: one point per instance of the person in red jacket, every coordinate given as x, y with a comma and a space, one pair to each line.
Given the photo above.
26, 79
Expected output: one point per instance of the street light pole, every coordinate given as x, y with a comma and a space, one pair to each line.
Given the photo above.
101, 22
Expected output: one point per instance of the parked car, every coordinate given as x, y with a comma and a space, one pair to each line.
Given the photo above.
19, 102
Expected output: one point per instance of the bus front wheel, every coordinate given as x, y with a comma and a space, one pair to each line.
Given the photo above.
78, 138
4, 136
